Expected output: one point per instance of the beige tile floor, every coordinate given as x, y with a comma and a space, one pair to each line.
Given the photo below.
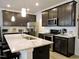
54, 55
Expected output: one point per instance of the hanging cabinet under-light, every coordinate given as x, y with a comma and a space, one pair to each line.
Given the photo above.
13, 19
23, 12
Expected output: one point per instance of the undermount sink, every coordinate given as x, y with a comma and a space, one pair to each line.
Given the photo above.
29, 38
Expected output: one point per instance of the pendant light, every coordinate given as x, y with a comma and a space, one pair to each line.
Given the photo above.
13, 19
23, 12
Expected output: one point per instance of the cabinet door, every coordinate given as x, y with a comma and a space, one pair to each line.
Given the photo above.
45, 18
60, 45
57, 43
53, 13
21, 21
63, 46
41, 36
71, 46
48, 38
7, 18
31, 18
66, 15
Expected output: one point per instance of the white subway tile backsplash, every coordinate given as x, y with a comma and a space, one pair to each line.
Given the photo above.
47, 29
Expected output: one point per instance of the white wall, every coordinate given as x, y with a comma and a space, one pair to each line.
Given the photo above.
77, 39
1, 18
47, 29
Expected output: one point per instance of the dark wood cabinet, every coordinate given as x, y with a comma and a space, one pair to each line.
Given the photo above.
45, 18
53, 13
66, 14
7, 16
31, 18
41, 52
42, 35
19, 20
49, 18
52, 21
62, 15
65, 46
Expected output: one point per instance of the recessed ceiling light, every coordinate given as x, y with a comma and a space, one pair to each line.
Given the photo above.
37, 4
8, 5
28, 9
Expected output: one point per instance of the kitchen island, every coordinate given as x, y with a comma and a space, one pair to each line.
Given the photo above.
25, 44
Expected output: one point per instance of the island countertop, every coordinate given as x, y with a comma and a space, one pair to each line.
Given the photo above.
17, 42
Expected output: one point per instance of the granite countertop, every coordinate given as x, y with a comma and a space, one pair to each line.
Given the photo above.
47, 34
17, 42
66, 35
13, 32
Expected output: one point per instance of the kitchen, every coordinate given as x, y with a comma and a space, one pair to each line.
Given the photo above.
51, 24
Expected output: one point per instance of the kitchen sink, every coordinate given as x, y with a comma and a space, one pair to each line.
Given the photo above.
29, 38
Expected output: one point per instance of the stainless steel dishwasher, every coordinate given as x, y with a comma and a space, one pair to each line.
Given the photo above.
50, 38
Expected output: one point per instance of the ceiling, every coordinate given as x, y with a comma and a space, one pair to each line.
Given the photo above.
18, 4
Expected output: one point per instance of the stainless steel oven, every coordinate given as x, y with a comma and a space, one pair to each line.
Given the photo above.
49, 36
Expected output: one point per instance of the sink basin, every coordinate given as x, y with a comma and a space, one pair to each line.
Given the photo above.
29, 38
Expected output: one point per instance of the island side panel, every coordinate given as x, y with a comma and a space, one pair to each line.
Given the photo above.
26, 54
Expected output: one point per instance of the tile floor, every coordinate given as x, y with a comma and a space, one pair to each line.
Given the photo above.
54, 55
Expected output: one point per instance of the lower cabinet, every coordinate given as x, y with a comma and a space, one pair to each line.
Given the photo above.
65, 46
49, 38
41, 35
41, 52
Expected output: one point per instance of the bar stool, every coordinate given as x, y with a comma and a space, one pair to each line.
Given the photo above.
2, 57
7, 52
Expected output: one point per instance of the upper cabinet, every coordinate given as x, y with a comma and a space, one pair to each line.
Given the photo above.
52, 21
45, 18
66, 14
62, 15
19, 21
